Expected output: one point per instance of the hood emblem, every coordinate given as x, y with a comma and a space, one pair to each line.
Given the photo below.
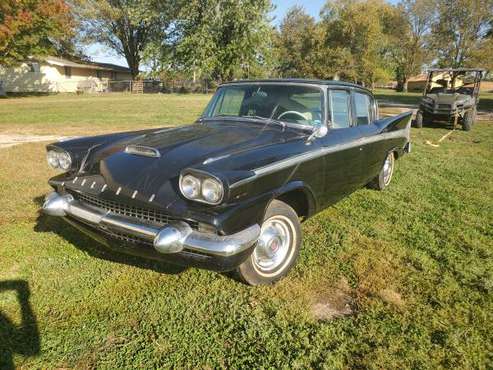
142, 150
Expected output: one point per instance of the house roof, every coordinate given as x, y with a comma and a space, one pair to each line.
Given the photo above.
85, 64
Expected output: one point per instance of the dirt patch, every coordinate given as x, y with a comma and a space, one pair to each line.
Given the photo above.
333, 303
9, 140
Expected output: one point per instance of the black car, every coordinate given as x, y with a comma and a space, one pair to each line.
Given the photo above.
229, 191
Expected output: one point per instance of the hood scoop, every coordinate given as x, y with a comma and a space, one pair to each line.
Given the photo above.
142, 150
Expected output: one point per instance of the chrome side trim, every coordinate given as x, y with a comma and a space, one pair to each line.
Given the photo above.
172, 238
298, 159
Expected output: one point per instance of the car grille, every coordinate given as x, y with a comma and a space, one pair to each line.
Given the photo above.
126, 238
146, 215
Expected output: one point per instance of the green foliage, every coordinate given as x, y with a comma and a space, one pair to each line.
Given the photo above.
296, 42
224, 39
32, 28
356, 29
127, 26
462, 33
408, 29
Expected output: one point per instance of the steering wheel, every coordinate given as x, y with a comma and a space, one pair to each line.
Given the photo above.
292, 112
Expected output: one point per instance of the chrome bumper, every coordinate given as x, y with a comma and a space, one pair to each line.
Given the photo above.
172, 238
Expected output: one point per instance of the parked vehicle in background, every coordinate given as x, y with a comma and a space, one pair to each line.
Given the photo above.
453, 98
229, 192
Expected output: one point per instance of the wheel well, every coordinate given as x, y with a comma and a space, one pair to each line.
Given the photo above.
298, 200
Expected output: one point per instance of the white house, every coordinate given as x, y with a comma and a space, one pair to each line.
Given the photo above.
53, 74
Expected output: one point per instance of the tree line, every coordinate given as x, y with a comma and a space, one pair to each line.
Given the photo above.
365, 41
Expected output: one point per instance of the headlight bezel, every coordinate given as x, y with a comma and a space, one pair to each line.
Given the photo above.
202, 177
59, 159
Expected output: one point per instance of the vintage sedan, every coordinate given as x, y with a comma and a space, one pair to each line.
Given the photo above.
229, 191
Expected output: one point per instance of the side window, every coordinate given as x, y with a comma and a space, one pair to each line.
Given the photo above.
362, 105
339, 106
230, 102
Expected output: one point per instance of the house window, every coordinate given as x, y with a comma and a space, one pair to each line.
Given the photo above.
68, 72
99, 74
113, 75
33, 67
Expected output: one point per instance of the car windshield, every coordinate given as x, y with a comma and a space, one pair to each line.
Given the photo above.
292, 104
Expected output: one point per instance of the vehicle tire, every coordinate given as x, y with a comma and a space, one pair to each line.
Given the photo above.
277, 248
385, 176
469, 119
418, 122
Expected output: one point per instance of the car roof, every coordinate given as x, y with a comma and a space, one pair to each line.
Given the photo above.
300, 81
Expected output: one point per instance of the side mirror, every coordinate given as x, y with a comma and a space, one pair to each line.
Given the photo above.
319, 131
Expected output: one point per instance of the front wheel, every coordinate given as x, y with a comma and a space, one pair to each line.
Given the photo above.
469, 118
277, 248
385, 176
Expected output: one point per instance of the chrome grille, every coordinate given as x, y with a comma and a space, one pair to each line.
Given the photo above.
148, 215
126, 238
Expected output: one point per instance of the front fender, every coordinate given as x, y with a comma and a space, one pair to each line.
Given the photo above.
252, 210
79, 147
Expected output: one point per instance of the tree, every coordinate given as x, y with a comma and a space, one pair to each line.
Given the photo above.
356, 35
224, 39
409, 27
127, 26
296, 44
461, 31
33, 28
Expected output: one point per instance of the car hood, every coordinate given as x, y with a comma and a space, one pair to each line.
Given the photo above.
196, 146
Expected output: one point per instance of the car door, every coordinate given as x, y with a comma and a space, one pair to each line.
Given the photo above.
343, 159
371, 149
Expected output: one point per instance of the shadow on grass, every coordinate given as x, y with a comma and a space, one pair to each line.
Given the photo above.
22, 338
96, 249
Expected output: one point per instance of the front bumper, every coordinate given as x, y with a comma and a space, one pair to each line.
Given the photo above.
175, 240
439, 110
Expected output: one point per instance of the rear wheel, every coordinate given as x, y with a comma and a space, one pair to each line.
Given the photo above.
277, 248
385, 176
469, 118
419, 119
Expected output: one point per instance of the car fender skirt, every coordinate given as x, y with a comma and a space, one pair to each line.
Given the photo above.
172, 238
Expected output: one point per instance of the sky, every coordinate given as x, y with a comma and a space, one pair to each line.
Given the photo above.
99, 53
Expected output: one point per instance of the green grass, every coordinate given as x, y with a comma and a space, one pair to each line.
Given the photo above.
72, 114
415, 264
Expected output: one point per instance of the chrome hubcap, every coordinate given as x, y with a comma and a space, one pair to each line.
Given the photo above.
388, 168
273, 244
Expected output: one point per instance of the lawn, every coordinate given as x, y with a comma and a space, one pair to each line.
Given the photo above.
412, 267
68, 114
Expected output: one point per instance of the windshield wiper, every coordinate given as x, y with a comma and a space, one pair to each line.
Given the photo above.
267, 120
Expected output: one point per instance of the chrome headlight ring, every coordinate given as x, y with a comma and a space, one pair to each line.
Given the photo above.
201, 187
59, 159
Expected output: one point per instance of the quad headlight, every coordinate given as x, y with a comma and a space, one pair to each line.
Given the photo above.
59, 159
204, 189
